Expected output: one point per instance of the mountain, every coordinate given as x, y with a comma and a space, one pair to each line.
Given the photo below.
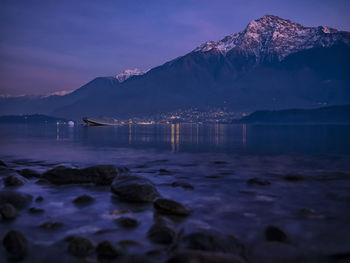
332, 114
129, 73
272, 64
30, 119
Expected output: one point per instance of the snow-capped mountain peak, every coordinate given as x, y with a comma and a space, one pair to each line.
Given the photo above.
129, 73
273, 37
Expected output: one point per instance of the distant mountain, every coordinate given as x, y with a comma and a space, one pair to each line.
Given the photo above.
333, 114
272, 64
129, 73
30, 119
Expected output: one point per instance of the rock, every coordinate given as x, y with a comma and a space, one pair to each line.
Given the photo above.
183, 185
161, 234
258, 181
29, 173
99, 175
3, 164
273, 233
15, 244
17, 199
164, 171
134, 189
137, 259
42, 181
80, 247
106, 249
83, 200
39, 199
8, 211
51, 225
206, 240
13, 180
220, 162
34, 210
170, 207
193, 256
127, 222
294, 177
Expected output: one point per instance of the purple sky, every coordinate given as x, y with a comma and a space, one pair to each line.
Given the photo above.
48, 46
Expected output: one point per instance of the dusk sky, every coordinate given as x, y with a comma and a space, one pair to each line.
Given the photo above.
49, 46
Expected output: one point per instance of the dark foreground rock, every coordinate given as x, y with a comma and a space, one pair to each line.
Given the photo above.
273, 233
161, 234
15, 244
257, 181
212, 241
99, 175
83, 200
80, 247
13, 180
127, 222
8, 211
193, 256
105, 249
17, 199
170, 207
134, 189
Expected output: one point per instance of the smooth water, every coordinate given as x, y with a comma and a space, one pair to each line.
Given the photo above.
217, 160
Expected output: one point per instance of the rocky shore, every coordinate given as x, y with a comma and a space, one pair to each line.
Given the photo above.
155, 213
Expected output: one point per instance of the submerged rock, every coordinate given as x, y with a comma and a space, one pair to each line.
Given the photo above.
13, 180
106, 249
194, 256
182, 184
29, 173
294, 177
15, 244
134, 189
39, 199
258, 181
83, 200
161, 234
99, 175
34, 210
273, 233
212, 241
127, 222
17, 199
8, 211
164, 171
51, 225
80, 247
170, 207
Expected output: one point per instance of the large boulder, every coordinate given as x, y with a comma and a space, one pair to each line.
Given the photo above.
13, 180
15, 244
99, 175
17, 199
134, 189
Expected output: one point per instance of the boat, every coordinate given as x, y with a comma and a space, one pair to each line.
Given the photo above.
100, 121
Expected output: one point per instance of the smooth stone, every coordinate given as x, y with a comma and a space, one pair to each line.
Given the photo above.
34, 210
212, 241
83, 200
195, 256
80, 247
29, 173
51, 225
170, 207
17, 199
13, 180
127, 222
99, 175
294, 177
182, 184
39, 199
257, 181
8, 211
106, 249
134, 189
273, 233
161, 234
15, 244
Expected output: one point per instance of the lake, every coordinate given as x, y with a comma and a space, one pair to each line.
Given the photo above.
303, 184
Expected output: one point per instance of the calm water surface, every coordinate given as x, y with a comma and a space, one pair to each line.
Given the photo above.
217, 160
